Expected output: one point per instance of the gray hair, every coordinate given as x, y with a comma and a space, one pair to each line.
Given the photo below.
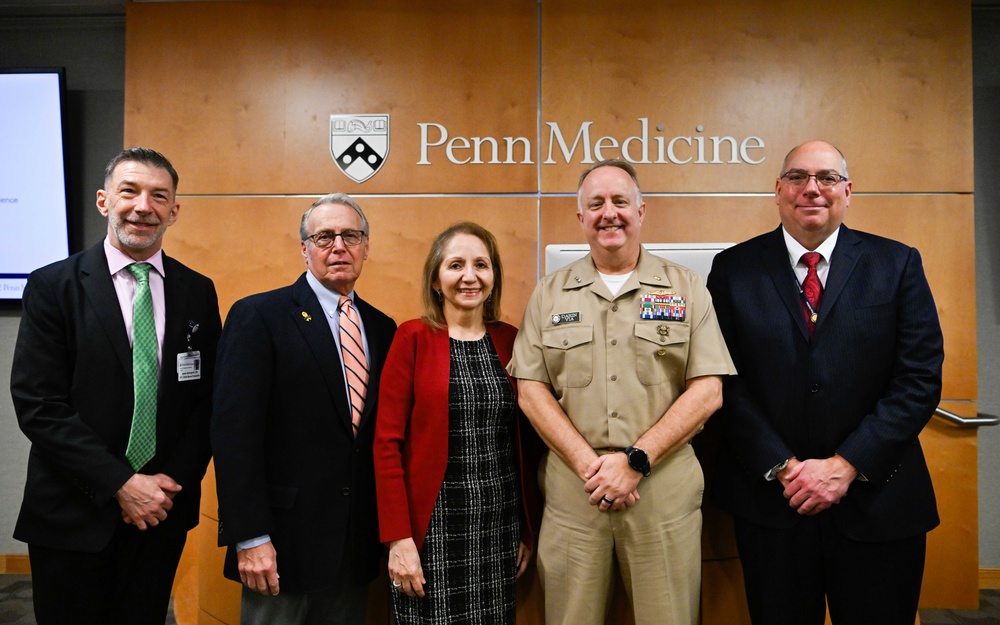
611, 162
332, 198
152, 158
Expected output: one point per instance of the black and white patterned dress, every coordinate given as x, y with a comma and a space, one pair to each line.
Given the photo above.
469, 556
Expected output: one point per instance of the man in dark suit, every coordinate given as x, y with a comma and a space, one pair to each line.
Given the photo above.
105, 527
292, 432
839, 359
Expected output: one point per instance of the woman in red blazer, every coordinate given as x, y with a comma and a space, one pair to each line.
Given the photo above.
456, 494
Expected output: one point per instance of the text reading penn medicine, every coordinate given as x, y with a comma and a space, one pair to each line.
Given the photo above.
639, 148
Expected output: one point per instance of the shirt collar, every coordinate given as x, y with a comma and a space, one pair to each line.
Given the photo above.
796, 249
649, 270
118, 260
328, 299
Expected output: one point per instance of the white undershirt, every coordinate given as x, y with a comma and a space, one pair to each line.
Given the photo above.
614, 282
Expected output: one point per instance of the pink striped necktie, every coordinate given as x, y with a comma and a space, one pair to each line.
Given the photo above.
352, 351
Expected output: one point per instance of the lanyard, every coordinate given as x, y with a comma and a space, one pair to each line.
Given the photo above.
813, 315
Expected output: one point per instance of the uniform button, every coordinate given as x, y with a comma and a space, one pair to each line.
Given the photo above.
614, 308
814, 388
614, 415
565, 342
614, 341
663, 339
614, 378
346, 491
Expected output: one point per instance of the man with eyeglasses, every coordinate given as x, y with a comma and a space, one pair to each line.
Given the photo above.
837, 342
296, 393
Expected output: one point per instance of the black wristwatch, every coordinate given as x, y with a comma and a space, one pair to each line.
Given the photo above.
638, 460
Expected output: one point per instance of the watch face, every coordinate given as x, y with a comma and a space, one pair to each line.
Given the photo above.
638, 460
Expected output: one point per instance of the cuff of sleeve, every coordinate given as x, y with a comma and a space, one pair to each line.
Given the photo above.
253, 542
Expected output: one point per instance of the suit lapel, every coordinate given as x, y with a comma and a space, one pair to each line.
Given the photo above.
375, 348
845, 258
310, 318
774, 256
95, 277
175, 327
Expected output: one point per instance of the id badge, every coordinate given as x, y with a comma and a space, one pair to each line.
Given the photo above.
189, 366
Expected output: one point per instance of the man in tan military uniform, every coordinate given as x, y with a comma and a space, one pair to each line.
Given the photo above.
620, 352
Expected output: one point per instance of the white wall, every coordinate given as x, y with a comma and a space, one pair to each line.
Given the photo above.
13, 448
986, 107
92, 49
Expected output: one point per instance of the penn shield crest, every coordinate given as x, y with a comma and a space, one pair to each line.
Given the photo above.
359, 144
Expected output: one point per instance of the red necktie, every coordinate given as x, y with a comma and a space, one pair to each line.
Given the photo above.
812, 288
355, 363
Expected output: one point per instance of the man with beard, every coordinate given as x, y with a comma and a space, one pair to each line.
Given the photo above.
112, 383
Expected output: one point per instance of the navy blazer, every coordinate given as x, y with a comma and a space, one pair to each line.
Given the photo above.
286, 461
863, 387
73, 395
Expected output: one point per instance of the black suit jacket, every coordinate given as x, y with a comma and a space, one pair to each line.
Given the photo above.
864, 387
72, 389
286, 461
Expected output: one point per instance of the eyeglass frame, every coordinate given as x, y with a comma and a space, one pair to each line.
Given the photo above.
333, 238
840, 177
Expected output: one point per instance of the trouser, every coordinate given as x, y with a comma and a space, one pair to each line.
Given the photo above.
126, 583
656, 545
345, 603
791, 575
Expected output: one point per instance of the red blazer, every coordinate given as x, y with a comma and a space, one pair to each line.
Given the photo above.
411, 432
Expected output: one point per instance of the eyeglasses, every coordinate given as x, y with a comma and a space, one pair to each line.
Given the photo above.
325, 239
823, 178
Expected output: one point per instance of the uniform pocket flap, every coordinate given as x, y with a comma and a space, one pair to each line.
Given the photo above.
568, 337
663, 333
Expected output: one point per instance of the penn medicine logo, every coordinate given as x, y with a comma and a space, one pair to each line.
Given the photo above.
359, 144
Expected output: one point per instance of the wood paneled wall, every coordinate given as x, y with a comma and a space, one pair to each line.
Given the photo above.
239, 94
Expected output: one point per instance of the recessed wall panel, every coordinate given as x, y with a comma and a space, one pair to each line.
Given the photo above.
889, 81
240, 93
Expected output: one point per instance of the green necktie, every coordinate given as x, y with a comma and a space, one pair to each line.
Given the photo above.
142, 438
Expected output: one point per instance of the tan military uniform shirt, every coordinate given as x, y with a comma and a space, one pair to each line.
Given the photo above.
614, 373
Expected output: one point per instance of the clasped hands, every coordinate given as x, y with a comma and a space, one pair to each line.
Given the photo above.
814, 485
609, 478
146, 499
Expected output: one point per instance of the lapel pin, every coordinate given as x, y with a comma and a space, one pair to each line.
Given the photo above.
306, 316
192, 328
